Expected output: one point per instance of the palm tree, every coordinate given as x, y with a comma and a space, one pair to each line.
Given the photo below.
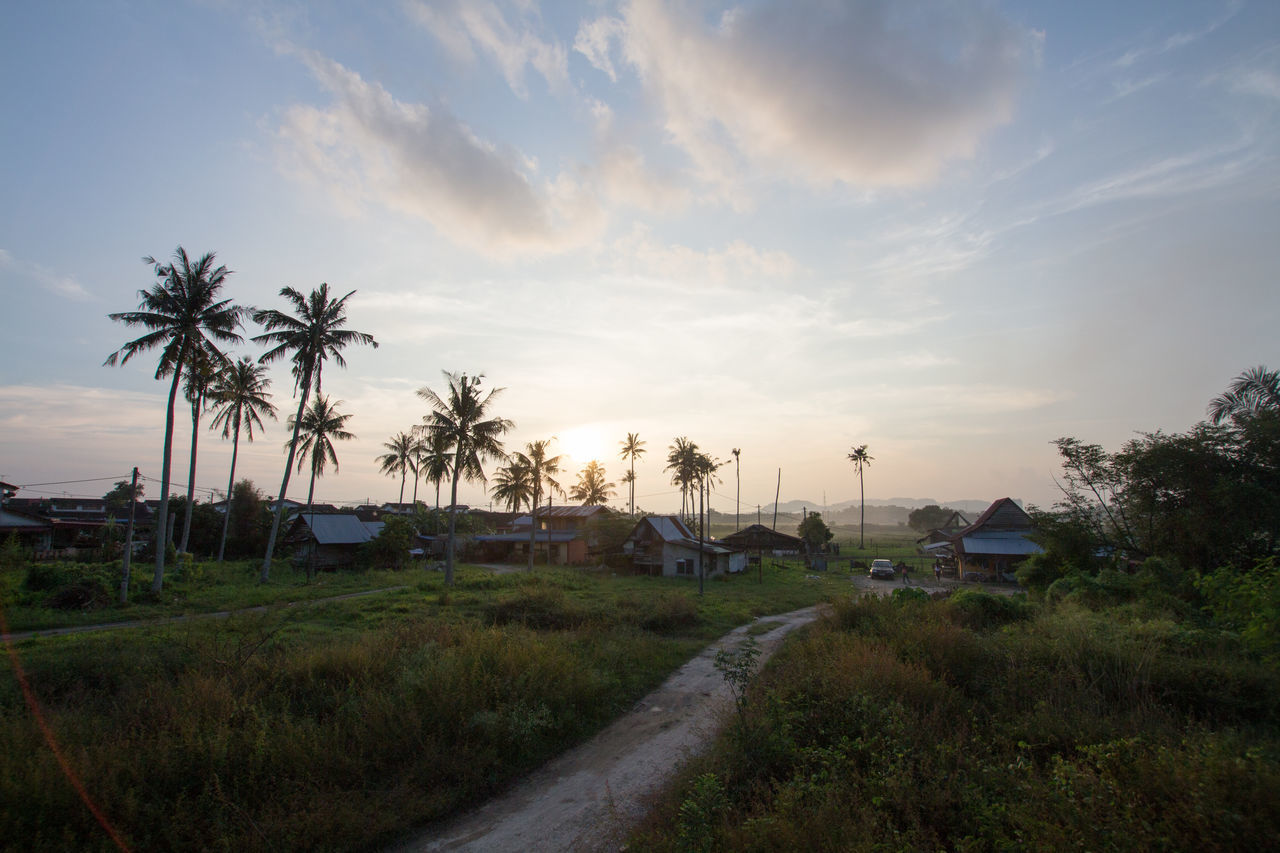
182, 315
462, 422
315, 433
681, 462
436, 462
632, 449
398, 459
702, 469
861, 460
737, 471
308, 339
592, 488
239, 398
1255, 390
511, 485
542, 470
200, 376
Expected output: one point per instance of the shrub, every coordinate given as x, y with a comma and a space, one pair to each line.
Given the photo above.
982, 611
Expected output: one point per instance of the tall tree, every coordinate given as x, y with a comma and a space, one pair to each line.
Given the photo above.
632, 449
436, 463
1255, 390
592, 489
318, 428
682, 463
861, 461
398, 459
309, 337
462, 422
542, 470
239, 397
200, 376
511, 486
182, 314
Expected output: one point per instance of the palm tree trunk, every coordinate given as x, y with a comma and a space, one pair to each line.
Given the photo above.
311, 493
162, 514
415, 490
453, 511
533, 526
196, 405
231, 482
403, 473
633, 487
265, 574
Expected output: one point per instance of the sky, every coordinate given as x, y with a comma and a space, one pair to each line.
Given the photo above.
950, 231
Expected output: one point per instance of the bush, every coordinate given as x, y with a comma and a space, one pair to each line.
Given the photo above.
982, 611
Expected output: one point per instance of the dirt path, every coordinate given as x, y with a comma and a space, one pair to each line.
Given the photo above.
587, 798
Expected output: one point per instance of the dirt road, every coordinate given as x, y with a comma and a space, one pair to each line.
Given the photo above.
587, 798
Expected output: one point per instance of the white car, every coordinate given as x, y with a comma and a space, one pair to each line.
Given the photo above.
882, 570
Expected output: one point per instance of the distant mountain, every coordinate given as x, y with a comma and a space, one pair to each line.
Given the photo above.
967, 506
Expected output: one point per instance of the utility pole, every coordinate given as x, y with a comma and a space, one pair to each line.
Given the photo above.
776, 494
128, 540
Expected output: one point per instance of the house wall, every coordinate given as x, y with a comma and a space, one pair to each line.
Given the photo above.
671, 553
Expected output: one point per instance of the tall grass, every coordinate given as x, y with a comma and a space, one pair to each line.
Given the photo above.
967, 725
341, 725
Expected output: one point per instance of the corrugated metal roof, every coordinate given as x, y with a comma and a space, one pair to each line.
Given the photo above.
541, 536
341, 529
1008, 544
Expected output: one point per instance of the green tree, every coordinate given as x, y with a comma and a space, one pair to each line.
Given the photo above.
183, 315
592, 489
511, 487
398, 459
861, 461
120, 496
250, 520
929, 517
319, 426
435, 461
390, 548
201, 374
542, 470
1255, 390
632, 449
814, 531
240, 399
462, 422
682, 463
737, 500
308, 338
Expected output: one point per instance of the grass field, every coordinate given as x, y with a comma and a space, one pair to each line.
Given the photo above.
340, 725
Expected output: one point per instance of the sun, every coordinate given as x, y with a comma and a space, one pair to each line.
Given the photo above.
584, 443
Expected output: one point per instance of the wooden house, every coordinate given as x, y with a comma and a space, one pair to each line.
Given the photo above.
991, 547
330, 540
663, 544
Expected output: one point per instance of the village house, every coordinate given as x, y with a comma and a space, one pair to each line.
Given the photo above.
991, 547
330, 540
562, 537
663, 544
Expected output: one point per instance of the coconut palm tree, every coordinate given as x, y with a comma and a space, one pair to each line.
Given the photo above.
436, 462
239, 398
182, 314
316, 430
681, 462
462, 422
542, 470
309, 337
398, 459
632, 449
511, 486
592, 489
200, 376
1255, 390
861, 460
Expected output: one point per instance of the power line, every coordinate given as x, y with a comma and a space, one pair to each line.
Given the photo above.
69, 482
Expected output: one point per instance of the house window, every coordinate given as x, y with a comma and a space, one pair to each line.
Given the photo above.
684, 567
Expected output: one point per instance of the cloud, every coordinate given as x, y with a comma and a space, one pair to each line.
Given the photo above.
65, 286
465, 26
871, 93
369, 147
738, 263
